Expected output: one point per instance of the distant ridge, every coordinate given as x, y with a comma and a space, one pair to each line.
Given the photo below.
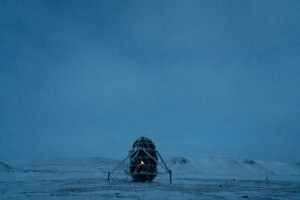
232, 167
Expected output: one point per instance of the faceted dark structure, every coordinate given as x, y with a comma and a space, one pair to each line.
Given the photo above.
143, 160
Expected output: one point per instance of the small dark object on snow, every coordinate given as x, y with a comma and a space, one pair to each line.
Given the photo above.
183, 160
245, 197
248, 161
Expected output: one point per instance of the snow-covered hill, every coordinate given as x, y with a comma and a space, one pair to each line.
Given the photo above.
202, 178
206, 168
220, 168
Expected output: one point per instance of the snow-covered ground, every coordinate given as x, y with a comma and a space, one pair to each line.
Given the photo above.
203, 178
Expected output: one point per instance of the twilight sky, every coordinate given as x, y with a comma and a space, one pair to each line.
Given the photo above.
200, 78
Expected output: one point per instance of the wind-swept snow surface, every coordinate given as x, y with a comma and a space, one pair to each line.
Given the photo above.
206, 178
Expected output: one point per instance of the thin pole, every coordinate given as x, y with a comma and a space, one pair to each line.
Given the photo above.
108, 176
162, 160
170, 172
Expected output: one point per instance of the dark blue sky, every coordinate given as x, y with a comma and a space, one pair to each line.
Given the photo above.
200, 78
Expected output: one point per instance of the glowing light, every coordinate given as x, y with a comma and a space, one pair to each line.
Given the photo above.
142, 162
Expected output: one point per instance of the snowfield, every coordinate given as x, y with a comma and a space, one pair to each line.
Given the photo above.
203, 178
